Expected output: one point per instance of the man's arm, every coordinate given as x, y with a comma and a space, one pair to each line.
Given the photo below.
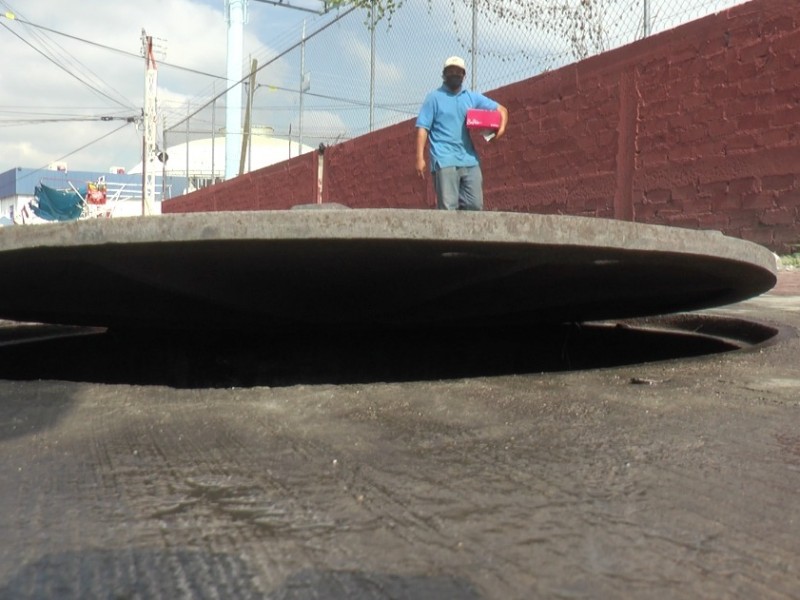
487, 103
503, 121
422, 138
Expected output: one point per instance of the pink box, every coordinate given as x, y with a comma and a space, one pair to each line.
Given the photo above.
483, 119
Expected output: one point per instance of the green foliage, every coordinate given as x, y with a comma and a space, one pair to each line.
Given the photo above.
580, 22
791, 260
383, 8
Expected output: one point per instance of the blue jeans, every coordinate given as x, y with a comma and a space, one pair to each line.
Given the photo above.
458, 188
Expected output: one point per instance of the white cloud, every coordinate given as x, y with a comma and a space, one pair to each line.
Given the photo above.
386, 72
408, 65
35, 88
323, 126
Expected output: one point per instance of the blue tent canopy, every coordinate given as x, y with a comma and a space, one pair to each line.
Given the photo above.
56, 205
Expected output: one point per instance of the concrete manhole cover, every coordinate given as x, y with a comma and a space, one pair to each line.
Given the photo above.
331, 269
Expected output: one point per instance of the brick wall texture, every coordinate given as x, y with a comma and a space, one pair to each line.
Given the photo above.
696, 127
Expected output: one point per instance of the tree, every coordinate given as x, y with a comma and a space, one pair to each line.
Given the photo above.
383, 8
578, 21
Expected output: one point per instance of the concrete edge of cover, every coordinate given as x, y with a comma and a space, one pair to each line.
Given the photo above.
367, 267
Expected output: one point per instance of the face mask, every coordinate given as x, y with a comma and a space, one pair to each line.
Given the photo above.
454, 81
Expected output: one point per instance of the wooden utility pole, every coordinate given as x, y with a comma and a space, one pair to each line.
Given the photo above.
150, 128
247, 144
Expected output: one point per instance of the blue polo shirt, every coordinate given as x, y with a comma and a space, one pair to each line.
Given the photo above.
444, 115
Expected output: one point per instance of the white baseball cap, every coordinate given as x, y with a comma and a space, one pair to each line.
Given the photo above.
455, 61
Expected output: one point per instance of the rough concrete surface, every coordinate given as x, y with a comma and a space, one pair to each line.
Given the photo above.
674, 479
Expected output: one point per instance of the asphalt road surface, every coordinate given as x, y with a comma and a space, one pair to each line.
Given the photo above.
671, 479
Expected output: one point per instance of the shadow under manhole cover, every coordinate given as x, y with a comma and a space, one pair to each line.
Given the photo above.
236, 359
341, 296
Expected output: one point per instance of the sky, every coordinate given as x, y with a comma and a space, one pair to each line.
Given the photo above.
70, 98
55, 88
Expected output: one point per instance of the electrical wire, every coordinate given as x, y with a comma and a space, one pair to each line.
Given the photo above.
61, 57
286, 35
20, 122
119, 50
281, 54
361, 103
267, 51
14, 110
102, 137
66, 70
266, 54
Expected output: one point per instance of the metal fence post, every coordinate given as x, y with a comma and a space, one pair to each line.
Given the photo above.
474, 44
372, 67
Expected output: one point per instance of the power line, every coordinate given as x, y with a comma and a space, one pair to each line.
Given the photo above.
119, 50
105, 47
15, 110
264, 54
102, 137
63, 56
362, 103
131, 54
11, 123
78, 39
285, 4
281, 54
63, 68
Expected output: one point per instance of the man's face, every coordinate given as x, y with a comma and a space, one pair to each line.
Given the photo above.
453, 77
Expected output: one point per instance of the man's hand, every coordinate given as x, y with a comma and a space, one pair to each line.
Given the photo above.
422, 137
503, 122
421, 168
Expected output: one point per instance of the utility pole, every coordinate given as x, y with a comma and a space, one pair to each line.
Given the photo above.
163, 157
247, 143
213, 137
372, 66
188, 118
305, 84
150, 118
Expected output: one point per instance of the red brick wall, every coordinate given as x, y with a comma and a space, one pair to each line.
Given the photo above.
695, 127
377, 171
275, 187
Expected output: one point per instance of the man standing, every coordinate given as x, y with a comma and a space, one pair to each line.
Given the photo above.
442, 121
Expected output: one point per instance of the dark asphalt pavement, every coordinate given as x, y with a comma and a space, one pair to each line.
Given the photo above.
672, 479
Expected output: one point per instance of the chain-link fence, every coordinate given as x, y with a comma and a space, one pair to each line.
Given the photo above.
348, 78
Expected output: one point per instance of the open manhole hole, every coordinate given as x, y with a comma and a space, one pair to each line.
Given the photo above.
285, 297
237, 359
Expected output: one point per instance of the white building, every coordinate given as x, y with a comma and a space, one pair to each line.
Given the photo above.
188, 167
124, 191
201, 162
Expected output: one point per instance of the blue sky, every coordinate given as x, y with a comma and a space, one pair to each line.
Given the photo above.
35, 88
37, 94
